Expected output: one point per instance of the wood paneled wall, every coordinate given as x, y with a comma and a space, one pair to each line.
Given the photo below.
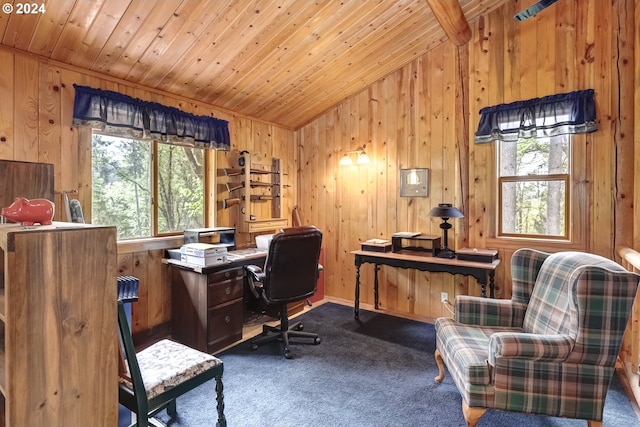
426, 114
410, 119
35, 125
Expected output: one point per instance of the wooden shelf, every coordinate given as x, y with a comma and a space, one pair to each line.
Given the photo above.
270, 224
259, 194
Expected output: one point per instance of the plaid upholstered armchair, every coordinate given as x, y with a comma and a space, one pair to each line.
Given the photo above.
551, 349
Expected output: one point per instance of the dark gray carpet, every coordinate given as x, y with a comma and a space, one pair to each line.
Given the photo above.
379, 372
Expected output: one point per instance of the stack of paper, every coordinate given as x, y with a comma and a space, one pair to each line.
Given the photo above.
203, 254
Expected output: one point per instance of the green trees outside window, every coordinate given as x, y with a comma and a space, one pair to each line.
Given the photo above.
130, 175
533, 187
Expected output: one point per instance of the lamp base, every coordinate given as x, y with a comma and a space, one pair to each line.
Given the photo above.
446, 253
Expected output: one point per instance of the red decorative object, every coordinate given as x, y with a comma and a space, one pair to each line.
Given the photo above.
29, 212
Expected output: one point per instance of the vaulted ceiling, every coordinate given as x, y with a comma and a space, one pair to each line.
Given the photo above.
282, 61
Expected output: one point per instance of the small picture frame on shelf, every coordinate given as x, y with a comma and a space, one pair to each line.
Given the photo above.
414, 182
73, 208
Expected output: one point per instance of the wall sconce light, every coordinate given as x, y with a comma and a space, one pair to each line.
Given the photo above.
361, 159
445, 211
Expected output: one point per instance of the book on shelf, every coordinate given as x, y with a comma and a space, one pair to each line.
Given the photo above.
204, 261
202, 249
377, 241
477, 254
406, 234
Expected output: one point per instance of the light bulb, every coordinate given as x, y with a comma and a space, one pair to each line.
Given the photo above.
346, 160
363, 159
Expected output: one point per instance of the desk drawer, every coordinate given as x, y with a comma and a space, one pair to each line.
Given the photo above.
224, 325
224, 291
222, 275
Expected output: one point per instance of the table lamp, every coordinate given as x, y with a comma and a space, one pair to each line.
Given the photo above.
445, 211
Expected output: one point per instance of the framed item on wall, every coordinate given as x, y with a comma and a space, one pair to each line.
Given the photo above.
414, 182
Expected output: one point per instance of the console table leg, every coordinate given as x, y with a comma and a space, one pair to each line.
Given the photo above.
357, 299
376, 267
491, 283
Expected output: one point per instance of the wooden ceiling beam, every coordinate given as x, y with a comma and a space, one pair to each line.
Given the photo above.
449, 15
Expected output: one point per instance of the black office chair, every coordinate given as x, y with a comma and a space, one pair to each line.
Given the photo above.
290, 274
152, 379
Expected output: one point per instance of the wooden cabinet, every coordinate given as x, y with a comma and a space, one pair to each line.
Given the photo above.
58, 364
259, 192
207, 307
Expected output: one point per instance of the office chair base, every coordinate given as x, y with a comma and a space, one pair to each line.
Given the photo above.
271, 333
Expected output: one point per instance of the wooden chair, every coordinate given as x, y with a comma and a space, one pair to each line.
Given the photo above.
153, 378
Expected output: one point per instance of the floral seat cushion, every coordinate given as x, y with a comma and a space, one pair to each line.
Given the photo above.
167, 363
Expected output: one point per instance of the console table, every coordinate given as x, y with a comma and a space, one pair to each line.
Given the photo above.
484, 272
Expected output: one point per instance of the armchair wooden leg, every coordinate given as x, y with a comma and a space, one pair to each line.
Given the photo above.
471, 415
440, 364
591, 423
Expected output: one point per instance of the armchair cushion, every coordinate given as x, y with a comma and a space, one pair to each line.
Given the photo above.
466, 349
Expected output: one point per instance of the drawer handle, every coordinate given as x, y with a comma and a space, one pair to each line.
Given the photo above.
227, 319
227, 290
227, 274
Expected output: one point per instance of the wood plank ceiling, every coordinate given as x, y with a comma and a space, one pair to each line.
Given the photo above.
282, 61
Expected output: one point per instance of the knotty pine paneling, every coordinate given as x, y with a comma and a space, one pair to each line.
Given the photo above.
636, 135
406, 120
35, 126
422, 115
426, 114
568, 56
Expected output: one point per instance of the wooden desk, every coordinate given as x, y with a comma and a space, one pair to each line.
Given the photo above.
207, 302
484, 272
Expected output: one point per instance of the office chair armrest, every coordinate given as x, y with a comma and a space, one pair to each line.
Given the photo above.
255, 275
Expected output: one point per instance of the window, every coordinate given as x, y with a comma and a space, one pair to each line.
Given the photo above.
146, 188
533, 187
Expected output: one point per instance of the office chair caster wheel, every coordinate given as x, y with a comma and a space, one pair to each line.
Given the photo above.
317, 340
300, 327
287, 353
254, 346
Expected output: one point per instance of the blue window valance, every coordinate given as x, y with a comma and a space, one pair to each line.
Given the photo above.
122, 115
552, 115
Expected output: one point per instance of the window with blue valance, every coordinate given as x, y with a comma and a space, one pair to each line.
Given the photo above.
566, 113
122, 115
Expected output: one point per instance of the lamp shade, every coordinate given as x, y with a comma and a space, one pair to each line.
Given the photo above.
445, 210
363, 159
346, 160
